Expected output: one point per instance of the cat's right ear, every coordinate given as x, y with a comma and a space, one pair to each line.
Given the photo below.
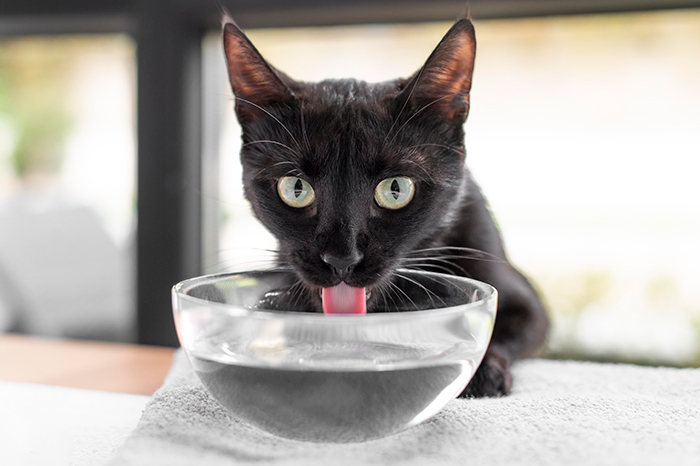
255, 84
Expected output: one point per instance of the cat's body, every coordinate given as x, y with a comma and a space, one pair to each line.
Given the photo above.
356, 180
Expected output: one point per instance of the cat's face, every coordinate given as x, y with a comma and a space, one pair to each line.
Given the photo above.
349, 176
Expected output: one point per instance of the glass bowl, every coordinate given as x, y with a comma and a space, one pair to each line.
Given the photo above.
334, 378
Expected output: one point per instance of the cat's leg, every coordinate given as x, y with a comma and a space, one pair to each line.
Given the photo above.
520, 330
521, 322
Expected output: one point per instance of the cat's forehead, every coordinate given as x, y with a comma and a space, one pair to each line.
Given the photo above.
343, 129
345, 93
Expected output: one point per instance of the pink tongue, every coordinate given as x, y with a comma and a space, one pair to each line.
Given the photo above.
344, 299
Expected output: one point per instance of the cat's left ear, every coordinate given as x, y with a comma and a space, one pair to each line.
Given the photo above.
254, 82
444, 82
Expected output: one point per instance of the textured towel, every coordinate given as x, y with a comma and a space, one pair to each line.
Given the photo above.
559, 413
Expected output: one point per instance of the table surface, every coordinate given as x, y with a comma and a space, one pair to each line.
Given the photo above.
110, 367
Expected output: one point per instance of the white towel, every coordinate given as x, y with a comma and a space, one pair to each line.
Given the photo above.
43, 425
559, 413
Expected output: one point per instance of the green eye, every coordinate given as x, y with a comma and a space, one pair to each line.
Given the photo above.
394, 193
295, 192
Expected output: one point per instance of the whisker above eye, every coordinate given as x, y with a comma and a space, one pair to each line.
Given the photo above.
427, 173
403, 107
304, 134
461, 152
269, 141
285, 162
271, 116
420, 110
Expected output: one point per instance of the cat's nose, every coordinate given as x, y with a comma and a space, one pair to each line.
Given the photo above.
342, 266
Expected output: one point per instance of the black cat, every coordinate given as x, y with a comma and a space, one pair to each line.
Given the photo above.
357, 179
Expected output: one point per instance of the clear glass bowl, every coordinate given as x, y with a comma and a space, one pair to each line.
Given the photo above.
334, 378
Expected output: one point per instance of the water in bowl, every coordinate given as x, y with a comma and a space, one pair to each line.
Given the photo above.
340, 392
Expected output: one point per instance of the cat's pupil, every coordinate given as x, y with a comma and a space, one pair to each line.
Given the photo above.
298, 188
395, 190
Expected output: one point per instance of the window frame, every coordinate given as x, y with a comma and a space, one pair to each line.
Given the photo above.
168, 37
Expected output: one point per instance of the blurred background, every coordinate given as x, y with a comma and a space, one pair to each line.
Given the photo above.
582, 133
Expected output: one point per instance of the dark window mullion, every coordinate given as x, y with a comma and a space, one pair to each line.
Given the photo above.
168, 63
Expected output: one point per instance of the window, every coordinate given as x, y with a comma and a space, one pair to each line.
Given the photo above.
67, 186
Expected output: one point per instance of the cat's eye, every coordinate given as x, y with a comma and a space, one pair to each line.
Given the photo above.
394, 193
295, 192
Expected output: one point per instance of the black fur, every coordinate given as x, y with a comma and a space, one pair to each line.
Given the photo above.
344, 137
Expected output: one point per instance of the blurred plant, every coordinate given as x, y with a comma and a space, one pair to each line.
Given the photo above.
695, 319
662, 289
571, 294
34, 98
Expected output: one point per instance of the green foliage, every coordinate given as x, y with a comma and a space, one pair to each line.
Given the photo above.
572, 294
662, 289
40, 144
34, 95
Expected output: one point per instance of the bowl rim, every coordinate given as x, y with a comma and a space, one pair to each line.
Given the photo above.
240, 311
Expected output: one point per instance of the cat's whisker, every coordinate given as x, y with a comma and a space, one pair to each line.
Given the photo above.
284, 162
454, 149
276, 252
237, 270
456, 249
293, 172
268, 141
299, 288
388, 292
271, 116
417, 112
403, 107
258, 258
447, 265
304, 134
444, 259
254, 265
249, 259
252, 252
226, 266
440, 248
456, 257
446, 282
427, 173
429, 293
398, 288
382, 292
423, 266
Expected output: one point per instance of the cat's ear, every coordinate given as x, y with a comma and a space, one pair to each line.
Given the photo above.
444, 82
256, 85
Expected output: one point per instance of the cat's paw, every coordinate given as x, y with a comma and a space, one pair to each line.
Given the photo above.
492, 378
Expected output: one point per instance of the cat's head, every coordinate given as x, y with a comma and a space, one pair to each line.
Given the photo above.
351, 176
